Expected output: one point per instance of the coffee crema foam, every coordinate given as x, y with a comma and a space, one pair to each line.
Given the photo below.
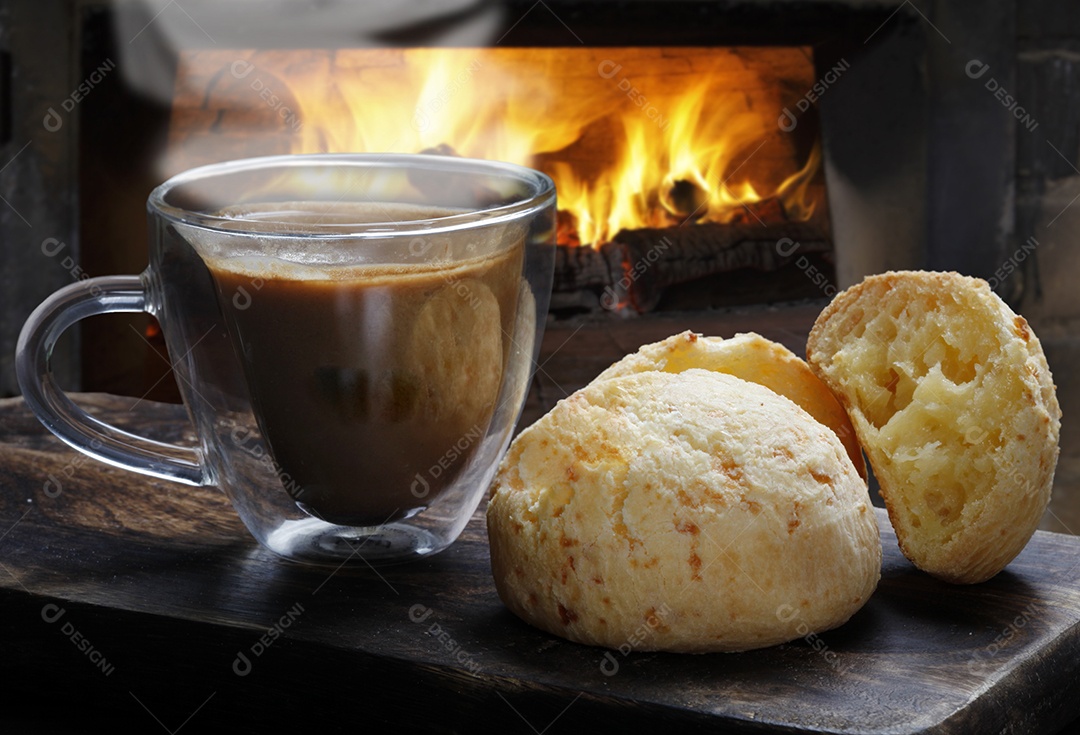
283, 235
291, 217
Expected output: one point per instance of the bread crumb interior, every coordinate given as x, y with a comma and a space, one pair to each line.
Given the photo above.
915, 376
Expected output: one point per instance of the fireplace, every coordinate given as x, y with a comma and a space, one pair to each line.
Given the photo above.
707, 155
670, 162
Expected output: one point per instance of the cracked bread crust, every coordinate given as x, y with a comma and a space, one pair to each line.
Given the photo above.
688, 512
751, 357
954, 404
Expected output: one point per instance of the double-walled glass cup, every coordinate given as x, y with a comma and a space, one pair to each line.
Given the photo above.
352, 335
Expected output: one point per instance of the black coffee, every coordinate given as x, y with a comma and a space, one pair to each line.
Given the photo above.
373, 385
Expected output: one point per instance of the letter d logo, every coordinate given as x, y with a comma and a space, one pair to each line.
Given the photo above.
418, 613
52, 487
787, 121
51, 613
420, 121
610, 300
52, 121
609, 666
419, 246
420, 487
241, 665
785, 246
241, 68
786, 613
976, 68
608, 68
241, 299
50, 247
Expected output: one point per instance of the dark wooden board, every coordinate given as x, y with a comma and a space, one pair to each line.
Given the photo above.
162, 581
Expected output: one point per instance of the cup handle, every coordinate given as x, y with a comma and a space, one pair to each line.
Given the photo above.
61, 416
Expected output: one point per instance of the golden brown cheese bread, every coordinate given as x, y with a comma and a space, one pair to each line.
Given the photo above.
751, 357
952, 399
681, 512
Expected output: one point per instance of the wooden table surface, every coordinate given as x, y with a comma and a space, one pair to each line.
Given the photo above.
131, 601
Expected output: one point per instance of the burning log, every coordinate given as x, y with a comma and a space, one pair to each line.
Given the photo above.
634, 268
686, 200
580, 268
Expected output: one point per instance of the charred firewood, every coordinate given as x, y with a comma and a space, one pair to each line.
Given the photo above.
632, 270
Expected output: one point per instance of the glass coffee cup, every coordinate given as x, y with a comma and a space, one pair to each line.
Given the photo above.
353, 337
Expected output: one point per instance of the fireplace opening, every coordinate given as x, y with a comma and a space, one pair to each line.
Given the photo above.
674, 165
690, 145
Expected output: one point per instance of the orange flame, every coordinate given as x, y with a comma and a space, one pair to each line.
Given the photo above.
663, 137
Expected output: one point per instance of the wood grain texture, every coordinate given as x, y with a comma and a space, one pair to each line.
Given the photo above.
162, 581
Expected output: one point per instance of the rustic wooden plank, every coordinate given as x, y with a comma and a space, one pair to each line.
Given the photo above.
162, 581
